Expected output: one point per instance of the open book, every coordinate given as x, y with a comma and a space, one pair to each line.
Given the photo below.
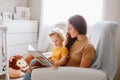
39, 56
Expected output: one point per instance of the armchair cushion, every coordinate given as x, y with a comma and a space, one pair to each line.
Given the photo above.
68, 73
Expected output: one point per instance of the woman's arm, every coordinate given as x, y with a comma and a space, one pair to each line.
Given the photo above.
87, 56
86, 62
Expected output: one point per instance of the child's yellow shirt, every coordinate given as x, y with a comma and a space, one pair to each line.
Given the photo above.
57, 53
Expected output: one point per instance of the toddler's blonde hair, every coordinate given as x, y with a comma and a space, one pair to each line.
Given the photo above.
57, 31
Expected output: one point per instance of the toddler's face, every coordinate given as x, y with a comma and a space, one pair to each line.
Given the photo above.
56, 40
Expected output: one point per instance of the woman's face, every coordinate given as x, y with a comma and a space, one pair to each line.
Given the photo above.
72, 31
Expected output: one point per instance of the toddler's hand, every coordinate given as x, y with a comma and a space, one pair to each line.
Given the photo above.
56, 67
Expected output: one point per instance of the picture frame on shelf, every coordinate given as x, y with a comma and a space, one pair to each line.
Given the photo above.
6, 16
22, 13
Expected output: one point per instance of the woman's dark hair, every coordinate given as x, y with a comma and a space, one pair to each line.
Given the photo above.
80, 25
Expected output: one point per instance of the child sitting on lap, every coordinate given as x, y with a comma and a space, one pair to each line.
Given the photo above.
59, 51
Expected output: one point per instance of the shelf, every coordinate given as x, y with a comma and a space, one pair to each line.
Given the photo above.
3, 50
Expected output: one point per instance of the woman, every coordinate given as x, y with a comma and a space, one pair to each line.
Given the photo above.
81, 51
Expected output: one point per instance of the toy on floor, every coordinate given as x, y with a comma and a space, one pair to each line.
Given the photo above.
17, 66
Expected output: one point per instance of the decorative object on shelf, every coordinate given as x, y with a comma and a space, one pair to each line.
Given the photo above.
22, 13
17, 66
7, 16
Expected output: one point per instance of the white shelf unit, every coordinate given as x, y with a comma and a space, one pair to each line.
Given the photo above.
3, 51
20, 33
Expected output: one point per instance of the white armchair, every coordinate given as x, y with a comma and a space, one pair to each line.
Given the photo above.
105, 65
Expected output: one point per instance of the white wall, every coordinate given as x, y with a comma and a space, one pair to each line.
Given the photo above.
35, 6
112, 12
9, 5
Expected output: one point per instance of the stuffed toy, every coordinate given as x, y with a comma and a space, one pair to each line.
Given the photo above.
17, 66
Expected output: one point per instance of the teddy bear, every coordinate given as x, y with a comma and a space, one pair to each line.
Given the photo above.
17, 66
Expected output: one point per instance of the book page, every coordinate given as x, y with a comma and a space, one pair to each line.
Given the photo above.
41, 58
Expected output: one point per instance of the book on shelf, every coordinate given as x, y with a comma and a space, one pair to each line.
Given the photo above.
39, 56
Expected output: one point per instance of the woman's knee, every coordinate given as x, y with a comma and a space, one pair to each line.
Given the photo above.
32, 63
35, 62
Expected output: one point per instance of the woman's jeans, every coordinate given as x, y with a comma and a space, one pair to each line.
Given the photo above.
28, 74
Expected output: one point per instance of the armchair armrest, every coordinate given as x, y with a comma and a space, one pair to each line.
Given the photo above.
68, 73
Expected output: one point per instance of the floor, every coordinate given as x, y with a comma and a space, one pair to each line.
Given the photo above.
3, 78
17, 79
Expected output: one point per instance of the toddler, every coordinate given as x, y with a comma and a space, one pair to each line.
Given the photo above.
59, 51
